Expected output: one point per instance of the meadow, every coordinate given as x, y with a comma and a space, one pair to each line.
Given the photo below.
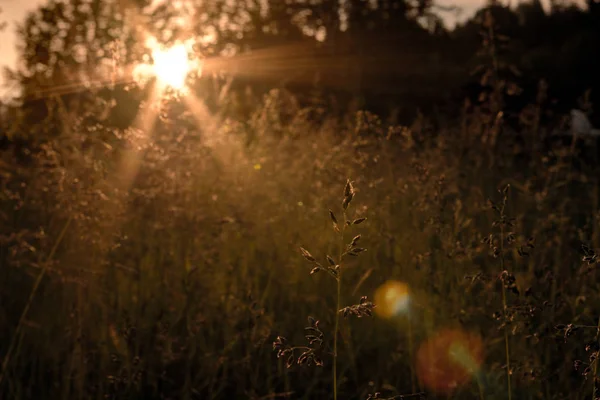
197, 276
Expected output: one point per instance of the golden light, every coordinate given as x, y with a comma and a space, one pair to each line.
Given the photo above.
449, 360
171, 66
392, 299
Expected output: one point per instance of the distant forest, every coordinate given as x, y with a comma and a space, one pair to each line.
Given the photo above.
394, 57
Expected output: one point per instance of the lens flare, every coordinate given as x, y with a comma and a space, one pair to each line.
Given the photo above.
392, 299
449, 359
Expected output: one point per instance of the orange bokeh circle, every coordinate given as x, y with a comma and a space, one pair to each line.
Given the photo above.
449, 359
392, 298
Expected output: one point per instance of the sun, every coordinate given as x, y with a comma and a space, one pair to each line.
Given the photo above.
172, 65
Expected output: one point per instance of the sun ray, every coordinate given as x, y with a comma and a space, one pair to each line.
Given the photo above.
144, 124
79, 86
204, 119
276, 62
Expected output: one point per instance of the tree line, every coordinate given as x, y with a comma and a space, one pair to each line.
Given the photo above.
392, 56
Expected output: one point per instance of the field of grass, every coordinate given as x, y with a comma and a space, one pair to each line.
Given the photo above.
175, 284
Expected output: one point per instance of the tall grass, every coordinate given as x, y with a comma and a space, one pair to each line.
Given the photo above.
178, 288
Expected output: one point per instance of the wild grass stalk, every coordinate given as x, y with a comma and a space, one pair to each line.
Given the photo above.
503, 222
338, 305
17, 334
334, 268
